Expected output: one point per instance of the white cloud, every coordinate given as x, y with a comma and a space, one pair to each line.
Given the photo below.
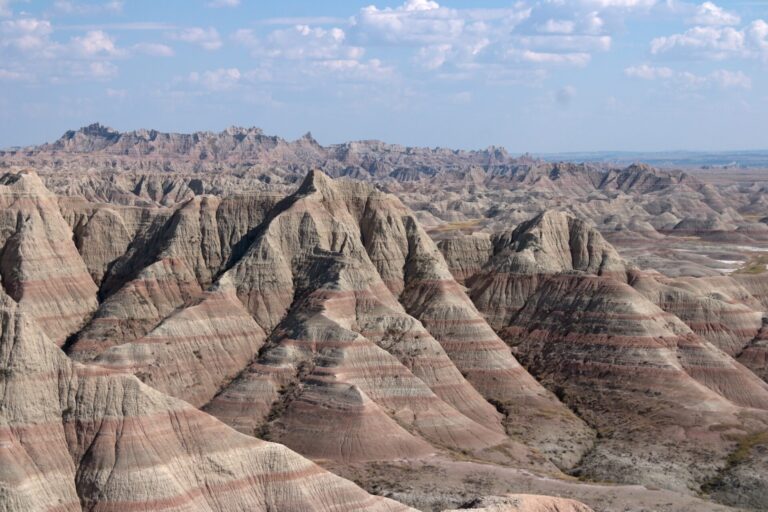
83, 70
206, 38
620, 4
709, 13
558, 26
420, 5
412, 23
70, 7
32, 53
647, 72
420, 22
224, 3
720, 78
440, 36
731, 79
26, 35
102, 70
433, 57
567, 43
716, 42
323, 52
222, 79
304, 42
579, 59
96, 43
153, 49
757, 37
592, 23
353, 70
543, 32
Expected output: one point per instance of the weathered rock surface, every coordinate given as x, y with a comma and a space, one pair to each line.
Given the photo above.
636, 373
39, 264
452, 190
342, 341
321, 314
75, 437
525, 503
196, 350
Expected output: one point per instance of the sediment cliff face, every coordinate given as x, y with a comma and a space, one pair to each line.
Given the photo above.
76, 437
613, 343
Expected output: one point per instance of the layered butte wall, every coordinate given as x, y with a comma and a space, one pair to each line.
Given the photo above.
627, 350
76, 437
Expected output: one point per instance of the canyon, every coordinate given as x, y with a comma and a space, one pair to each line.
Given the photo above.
233, 321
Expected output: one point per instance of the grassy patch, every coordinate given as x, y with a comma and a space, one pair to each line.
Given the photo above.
756, 265
745, 446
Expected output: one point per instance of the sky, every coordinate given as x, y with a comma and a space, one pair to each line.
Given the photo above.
530, 75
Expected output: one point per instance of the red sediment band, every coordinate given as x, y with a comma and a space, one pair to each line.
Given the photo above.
447, 321
151, 339
487, 345
193, 495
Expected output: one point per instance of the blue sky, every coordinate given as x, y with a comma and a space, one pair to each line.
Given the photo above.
531, 75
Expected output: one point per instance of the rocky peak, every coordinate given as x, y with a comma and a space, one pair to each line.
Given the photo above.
307, 138
96, 130
26, 179
554, 241
317, 181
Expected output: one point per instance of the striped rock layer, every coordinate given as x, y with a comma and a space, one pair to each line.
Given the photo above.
667, 403
40, 266
330, 304
76, 437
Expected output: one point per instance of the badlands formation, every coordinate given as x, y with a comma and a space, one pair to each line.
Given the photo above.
233, 321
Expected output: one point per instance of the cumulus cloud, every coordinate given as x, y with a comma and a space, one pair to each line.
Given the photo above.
548, 33
32, 53
26, 35
716, 42
322, 52
96, 43
304, 42
434, 56
709, 13
441, 38
206, 38
415, 22
420, 22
